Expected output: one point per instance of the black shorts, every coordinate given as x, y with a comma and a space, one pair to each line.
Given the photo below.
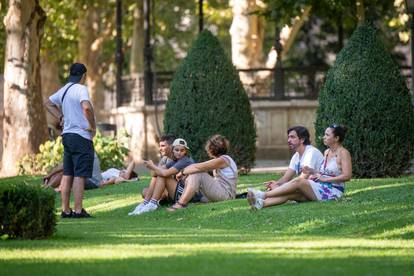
77, 155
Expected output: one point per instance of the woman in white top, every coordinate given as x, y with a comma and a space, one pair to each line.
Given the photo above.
326, 184
218, 188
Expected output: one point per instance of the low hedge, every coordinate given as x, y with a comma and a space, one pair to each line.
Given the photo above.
26, 211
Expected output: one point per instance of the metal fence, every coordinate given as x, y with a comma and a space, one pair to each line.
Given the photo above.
298, 83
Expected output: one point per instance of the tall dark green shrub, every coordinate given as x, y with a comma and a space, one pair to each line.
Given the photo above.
206, 98
365, 91
26, 211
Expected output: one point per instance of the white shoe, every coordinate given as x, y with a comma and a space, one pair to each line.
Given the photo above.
150, 207
257, 193
255, 199
137, 209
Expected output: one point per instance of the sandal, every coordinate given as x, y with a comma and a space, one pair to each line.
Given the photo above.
176, 206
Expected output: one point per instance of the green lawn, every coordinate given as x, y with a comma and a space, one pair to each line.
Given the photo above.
369, 232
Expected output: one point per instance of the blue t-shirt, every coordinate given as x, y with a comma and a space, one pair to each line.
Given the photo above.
180, 164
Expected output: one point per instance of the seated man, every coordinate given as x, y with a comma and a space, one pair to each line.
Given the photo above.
165, 178
305, 155
166, 154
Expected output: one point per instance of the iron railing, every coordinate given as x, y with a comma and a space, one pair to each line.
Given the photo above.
299, 83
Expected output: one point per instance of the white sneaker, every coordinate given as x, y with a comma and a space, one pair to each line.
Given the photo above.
137, 209
257, 193
255, 199
150, 207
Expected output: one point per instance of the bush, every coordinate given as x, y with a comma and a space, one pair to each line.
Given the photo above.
207, 97
26, 211
365, 91
110, 151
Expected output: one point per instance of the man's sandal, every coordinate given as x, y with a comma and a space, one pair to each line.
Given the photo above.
176, 207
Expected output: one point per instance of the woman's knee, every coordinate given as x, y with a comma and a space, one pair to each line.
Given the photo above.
193, 179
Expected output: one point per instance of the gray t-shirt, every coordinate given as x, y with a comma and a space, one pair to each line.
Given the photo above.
74, 120
164, 160
96, 171
180, 164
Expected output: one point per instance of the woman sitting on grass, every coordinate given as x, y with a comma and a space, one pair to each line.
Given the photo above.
327, 184
218, 188
165, 177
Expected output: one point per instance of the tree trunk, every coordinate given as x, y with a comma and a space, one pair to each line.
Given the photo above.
360, 12
289, 33
49, 73
24, 123
136, 64
90, 47
247, 34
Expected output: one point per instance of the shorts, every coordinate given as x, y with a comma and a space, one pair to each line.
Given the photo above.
77, 155
179, 190
326, 191
91, 184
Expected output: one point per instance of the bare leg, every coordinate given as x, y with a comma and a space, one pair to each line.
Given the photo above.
55, 180
129, 169
282, 199
65, 187
192, 185
78, 187
297, 184
150, 190
163, 183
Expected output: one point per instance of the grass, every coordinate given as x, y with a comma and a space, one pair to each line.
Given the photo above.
369, 232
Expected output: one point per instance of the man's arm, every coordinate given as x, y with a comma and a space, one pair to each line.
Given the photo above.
89, 115
289, 174
53, 109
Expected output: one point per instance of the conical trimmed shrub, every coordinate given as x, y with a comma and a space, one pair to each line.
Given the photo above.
365, 91
207, 97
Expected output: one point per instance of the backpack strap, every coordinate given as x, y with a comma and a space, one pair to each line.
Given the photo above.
64, 93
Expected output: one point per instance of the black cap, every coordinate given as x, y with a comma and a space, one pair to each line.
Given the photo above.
76, 72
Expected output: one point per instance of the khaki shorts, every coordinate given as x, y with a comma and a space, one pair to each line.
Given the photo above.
212, 189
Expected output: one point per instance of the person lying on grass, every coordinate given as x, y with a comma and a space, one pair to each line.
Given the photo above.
116, 176
98, 179
326, 184
166, 179
197, 180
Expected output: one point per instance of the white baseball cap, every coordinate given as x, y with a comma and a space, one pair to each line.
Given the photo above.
180, 142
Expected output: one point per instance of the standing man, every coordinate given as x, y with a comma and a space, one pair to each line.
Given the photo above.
305, 155
72, 106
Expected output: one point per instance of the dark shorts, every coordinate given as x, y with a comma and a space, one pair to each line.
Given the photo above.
90, 184
77, 155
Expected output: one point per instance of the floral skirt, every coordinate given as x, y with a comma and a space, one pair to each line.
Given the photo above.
326, 191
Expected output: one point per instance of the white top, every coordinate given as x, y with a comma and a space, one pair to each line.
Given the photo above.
311, 157
75, 121
229, 172
110, 173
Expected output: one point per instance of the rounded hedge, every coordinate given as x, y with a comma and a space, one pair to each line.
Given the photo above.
365, 91
206, 98
26, 211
